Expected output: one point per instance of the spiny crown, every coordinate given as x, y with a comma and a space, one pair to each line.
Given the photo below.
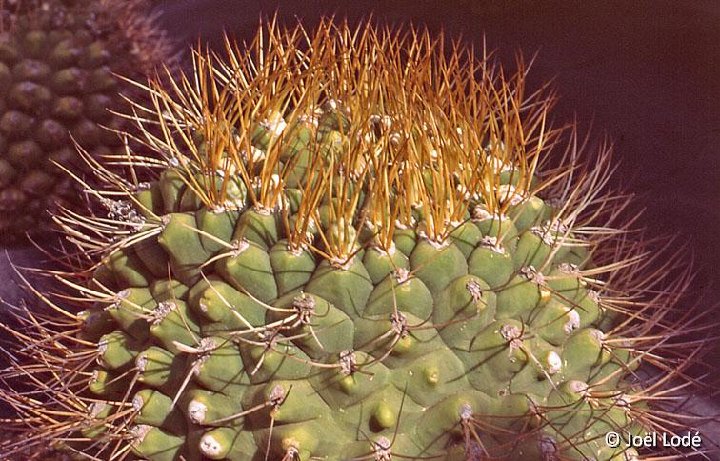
421, 128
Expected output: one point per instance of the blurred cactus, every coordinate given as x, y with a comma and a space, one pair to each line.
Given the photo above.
57, 85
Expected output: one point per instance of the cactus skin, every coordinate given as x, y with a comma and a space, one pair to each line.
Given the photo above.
351, 277
57, 60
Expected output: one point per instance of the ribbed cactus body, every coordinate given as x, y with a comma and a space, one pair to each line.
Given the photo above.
266, 347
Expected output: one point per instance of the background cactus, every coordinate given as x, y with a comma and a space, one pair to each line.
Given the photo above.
350, 253
57, 59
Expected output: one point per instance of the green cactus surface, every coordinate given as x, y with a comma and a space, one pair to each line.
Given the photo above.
355, 248
58, 60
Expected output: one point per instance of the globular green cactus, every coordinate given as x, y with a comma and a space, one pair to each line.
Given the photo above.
354, 249
57, 86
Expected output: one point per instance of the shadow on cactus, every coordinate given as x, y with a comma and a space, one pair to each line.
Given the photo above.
57, 60
355, 248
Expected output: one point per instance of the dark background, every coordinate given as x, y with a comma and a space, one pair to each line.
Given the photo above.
642, 73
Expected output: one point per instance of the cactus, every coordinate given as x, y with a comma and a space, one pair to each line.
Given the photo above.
57, 60
356, 247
